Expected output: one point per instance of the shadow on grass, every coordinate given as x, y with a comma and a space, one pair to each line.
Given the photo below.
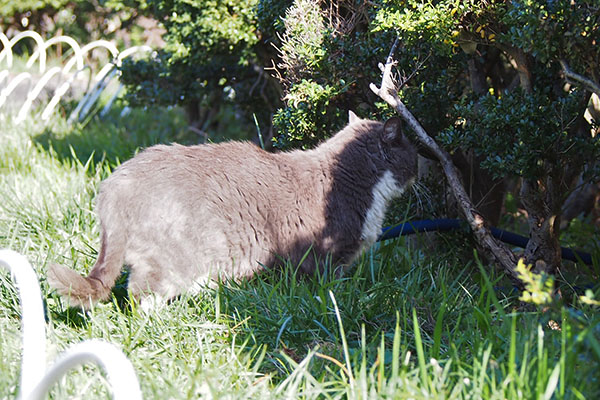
76, 317
292, 312
72, 317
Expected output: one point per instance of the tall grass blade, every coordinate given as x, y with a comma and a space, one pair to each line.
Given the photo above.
258, 132
420, 351
381, 366
512, 355
281, 330
563, 353
512, 351
437, 332
344, 341
363, 384
396, 348
594, 344
552, 382
541, 362
491, 291
483, 367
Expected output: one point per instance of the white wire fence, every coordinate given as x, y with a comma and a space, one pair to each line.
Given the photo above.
42, 82
41, 79
36, 379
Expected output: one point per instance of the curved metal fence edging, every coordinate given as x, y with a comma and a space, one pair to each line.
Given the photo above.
70, 71
33, 362
9, 44
35, 379
121, 374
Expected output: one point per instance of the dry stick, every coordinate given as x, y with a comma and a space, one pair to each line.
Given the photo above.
589, 84
389, 93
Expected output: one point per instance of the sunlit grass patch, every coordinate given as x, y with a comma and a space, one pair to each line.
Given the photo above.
404, 322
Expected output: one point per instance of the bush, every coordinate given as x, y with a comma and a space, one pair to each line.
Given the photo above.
83, 20
515, 115
212, 60
485, 78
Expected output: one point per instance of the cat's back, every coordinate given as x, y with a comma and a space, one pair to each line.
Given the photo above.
175, 157
175, 164
209, 171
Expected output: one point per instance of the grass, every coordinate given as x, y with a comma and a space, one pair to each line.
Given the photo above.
407, 322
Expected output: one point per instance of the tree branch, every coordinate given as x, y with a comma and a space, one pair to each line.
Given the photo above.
389, 93
589, 84
520, 63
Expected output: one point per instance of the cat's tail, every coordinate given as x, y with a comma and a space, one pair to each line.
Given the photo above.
84, 291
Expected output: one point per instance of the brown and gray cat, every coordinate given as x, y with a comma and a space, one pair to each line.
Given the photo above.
178, 216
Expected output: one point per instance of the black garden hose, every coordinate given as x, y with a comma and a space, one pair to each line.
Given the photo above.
443, 225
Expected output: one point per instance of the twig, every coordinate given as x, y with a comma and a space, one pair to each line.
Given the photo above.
589, 84
389, 93
199, 132
414, 72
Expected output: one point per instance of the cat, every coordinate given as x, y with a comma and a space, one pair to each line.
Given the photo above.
178, 216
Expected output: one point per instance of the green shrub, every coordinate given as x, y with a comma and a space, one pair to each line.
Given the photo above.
210, 61
483, 77
83, 20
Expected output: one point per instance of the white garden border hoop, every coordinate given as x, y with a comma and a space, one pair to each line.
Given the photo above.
35, 379
72, 70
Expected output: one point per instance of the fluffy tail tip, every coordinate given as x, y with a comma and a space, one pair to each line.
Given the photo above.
78, 290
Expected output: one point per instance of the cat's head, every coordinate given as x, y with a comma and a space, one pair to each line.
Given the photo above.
388, 147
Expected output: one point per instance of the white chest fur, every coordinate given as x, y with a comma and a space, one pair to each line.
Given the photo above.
384, 190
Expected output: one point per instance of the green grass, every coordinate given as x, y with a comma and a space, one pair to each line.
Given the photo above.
404, 323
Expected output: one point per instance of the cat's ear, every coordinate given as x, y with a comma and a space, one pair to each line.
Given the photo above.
392, 130
352, 118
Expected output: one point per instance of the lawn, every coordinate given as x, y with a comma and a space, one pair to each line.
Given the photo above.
406, 322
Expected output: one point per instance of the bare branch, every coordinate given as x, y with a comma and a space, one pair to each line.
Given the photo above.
390, 57
389, 93
414, 72
589, 84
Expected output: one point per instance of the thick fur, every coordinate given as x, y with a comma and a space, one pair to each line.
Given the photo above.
179, 215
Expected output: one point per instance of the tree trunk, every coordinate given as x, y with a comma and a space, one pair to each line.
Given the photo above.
486, 192
540, 202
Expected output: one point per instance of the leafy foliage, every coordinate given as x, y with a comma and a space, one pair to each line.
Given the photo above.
538, 287
331, 53
510, 109
520, 134
551, 30
83, 20
205, 66
309, 115
302, 48
515, 129
210, 60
